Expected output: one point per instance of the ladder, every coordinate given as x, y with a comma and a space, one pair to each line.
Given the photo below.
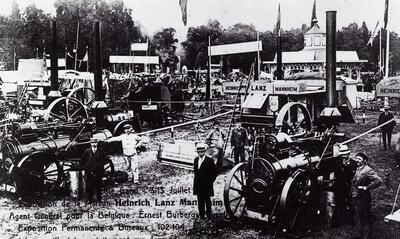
238, 104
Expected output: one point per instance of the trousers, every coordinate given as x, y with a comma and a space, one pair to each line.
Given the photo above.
239, 153
94, 182
133, 170
204, 205
386, 136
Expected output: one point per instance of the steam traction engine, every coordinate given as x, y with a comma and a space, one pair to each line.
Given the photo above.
36, 156
292, 161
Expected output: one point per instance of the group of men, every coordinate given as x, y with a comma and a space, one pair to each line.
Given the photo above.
357, 193
362, 178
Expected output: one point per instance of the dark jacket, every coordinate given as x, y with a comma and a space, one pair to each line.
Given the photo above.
93, 162
384, 118
239, 137
204, 177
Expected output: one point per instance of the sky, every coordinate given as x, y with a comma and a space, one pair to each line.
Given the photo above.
154, 15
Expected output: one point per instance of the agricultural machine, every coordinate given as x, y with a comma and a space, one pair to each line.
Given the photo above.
295, 153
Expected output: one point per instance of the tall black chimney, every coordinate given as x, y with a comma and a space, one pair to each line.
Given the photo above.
54, 93
279, 72
331, 96
99, 106
331, 113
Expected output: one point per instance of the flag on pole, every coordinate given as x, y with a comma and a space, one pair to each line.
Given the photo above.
278, 21
183, 4
86, 57
385, 19
374, 34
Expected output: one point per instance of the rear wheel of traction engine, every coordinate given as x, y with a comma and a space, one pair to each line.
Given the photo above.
295, 196
37, 173
66, 109
294, 119
235, 192
108, 177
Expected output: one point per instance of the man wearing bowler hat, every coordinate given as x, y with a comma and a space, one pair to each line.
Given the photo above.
92, 161
130, 142
204, 177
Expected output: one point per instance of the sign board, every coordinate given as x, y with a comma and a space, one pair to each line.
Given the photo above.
236, 48
387, 90
139, 46
289, 88
135, 59
149, 107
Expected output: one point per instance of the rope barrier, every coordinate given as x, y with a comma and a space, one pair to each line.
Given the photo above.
173, 101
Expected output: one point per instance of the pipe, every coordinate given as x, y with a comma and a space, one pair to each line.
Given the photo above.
53, 59
279, 73
54, 93
331, 96
98, 86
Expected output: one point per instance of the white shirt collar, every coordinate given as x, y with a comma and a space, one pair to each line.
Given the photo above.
201, 159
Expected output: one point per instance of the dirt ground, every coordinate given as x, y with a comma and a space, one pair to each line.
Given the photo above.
152, 210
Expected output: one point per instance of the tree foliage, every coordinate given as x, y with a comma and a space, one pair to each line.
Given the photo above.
164, 44
30, 29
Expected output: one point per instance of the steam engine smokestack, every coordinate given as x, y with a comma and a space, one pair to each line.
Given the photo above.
331, 113
54, 93
99, 106
279, 72
331, 96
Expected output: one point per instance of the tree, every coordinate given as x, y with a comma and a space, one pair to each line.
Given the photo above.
196, 43
164, 42
118, 29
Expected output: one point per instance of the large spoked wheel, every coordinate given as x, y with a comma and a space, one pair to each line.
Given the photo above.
37, 172
9, 152
108, 177
295, 196
85, 95
235, 192
66, 109
119, 128
293, 119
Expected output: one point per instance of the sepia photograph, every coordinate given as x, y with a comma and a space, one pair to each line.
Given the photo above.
191, 119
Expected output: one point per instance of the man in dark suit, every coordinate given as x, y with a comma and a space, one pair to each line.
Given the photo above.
388, 128
204, 177
93, 160
239, 142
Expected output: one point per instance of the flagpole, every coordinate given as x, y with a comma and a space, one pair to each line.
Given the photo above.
258, 55
380, 50
65, 55
76, 45
387, 53
87, 62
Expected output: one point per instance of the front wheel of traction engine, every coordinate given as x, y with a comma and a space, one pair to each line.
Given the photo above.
37, 173
235, 192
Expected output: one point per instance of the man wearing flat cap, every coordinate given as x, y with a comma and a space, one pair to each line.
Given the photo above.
387, 129
365, 179
204, 177
92, 161
130, 141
